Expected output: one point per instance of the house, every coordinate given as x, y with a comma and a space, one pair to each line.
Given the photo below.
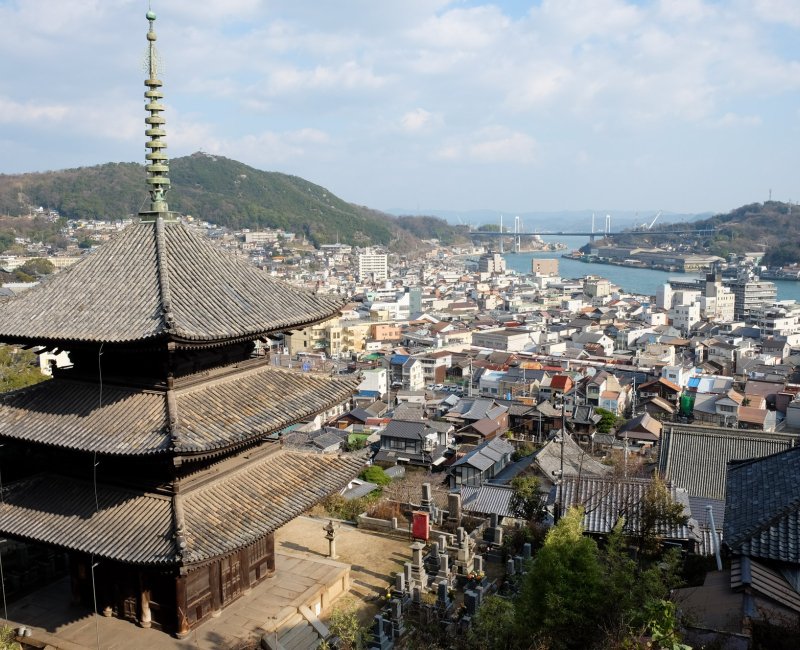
641, 429
695, 457
660, 387
481, 463
412, 443
762, 529
584, 422
659, 408
606, 500
562, 456
486, 500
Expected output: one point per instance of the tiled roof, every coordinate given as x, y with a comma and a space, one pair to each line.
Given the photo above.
762, 507
138, 528
694, 458
215, 414
243, 506
577, 462
159, 280
486, 499
606, 500
404, 430
129, 526
486, 454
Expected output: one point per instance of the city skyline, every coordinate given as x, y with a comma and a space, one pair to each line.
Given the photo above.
685, 106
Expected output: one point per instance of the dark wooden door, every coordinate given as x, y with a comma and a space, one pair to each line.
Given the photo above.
231, 578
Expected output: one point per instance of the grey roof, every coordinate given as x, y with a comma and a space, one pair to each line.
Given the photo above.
129, 526
695, 458
159, 280
605, 500
408, 411
217, 517
361, 489
486, 499
486, 454
762, 507
327, 440
230, 408
576, 460
404, 430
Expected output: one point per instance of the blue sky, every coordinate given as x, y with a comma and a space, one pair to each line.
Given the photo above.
680, 105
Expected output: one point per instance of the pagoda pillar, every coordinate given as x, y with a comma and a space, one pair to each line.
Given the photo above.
145, 616
182, 628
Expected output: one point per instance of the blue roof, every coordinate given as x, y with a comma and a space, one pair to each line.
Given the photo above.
694, 382
400, 359
369, 393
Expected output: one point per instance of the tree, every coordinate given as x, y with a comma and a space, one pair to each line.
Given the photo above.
658, 513
527, 500
37, 267
345, 626
562, 594
493, 625
18, 368
375, 474
608, 420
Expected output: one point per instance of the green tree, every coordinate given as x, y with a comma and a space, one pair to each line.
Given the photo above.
377, 475
493, 625
18, 368
608, 420
37, 267
527, 500
561, 595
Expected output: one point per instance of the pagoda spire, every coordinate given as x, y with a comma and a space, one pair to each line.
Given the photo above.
157, 163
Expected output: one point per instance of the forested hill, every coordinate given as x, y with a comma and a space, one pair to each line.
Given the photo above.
772, 228
212, 188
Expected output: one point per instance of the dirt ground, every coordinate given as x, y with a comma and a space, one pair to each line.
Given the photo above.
374, 557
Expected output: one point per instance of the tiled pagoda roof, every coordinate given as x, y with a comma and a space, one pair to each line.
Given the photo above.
215, 414
159, 280
214, 518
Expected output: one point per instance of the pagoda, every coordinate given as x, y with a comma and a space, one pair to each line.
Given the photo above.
155, 461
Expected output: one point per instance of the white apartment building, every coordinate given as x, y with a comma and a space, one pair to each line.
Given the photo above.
780, 319
373, 266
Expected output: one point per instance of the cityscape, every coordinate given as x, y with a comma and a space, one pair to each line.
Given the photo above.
314, 424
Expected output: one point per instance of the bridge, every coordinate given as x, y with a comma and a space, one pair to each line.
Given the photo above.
596, 233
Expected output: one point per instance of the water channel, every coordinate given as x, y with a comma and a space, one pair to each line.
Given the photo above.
633, 280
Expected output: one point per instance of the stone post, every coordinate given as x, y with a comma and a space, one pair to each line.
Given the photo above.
330, 535
454, 507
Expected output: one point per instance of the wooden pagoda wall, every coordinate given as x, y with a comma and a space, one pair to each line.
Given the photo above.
166, 601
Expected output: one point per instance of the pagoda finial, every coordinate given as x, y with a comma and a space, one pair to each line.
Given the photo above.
157, 163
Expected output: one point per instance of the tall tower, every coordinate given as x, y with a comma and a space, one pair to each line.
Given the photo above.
154, 462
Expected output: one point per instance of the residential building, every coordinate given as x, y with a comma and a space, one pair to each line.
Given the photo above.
373, 267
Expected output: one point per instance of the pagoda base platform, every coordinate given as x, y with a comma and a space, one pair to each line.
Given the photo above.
300, 584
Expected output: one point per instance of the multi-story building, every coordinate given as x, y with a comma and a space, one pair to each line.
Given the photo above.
491, 263
750, 295
373, 266
547, 267
506, 339
780, 319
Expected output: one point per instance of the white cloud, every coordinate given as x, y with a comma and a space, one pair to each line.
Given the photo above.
778, 11
418, 120
491, 145
12, 112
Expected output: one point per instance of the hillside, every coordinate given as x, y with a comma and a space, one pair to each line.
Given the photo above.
212, 188
772, 228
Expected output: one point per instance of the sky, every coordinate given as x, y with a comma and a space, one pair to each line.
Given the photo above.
422, 105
